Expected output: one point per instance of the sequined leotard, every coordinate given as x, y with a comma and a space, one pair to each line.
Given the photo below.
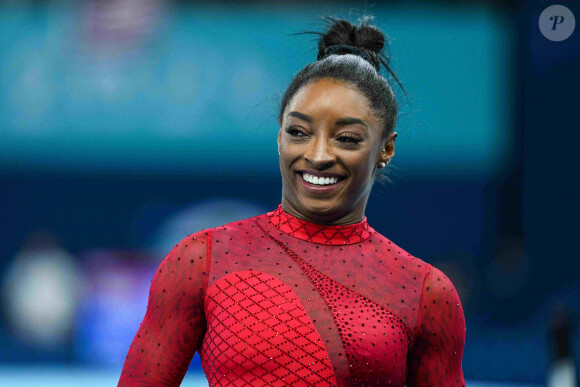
275, 300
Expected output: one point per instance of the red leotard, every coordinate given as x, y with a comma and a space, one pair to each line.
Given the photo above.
275, 300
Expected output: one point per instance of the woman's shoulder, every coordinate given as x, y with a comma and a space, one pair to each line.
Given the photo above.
432, 278
226, 232
403, 259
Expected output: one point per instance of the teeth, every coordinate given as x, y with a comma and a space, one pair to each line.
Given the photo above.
319, 180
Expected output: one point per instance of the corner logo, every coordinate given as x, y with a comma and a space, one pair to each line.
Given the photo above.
557, 23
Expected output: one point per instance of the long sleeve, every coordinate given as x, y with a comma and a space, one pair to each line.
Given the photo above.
174, 321
435, 359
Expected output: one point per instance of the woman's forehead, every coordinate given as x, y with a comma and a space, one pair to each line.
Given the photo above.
328, 96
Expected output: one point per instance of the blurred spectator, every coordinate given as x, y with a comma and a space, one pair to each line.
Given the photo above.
40, 293
563, 371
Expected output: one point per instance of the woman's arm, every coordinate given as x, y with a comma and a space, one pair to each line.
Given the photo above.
435, 359
174, 321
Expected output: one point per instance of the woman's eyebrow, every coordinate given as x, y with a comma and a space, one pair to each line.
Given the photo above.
339, 122
350, 121
301, 116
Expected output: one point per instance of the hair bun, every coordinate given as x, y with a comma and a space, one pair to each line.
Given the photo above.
365, 37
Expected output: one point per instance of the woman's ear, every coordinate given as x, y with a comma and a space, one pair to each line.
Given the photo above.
388, 150
390, 145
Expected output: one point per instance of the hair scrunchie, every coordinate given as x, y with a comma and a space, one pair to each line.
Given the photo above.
341, 49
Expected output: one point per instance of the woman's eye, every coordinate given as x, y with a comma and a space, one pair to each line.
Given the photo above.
349, 139
295, 132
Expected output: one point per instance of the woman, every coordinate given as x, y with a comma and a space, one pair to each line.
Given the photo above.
310, 293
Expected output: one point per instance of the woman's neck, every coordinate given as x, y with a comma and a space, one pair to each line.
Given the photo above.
329, 218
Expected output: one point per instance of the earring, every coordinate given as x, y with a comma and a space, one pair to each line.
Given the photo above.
278, 150
384, 163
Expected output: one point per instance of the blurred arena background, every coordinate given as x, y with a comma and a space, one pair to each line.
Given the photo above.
126, 125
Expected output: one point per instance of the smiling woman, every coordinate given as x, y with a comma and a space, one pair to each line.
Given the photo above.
309, 293
330, 131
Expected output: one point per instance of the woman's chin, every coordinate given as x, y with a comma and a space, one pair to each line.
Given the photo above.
320, 208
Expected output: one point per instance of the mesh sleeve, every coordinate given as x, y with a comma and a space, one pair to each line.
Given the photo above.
435, 359
174, 321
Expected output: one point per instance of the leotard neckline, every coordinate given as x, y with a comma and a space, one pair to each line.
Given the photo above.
320, 233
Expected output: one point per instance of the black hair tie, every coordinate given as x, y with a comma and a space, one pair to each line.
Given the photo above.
341, 49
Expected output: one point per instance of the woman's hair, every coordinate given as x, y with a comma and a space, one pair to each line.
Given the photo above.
352, 54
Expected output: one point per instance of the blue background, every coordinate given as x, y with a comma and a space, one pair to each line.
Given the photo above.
123, 130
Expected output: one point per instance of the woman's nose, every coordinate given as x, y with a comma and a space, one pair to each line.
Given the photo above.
319, 154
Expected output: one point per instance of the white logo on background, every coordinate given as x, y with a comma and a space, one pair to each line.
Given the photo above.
557, 23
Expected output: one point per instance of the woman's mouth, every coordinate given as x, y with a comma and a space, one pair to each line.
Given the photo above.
318, 183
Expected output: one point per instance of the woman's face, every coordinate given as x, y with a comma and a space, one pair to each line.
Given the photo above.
330, 144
